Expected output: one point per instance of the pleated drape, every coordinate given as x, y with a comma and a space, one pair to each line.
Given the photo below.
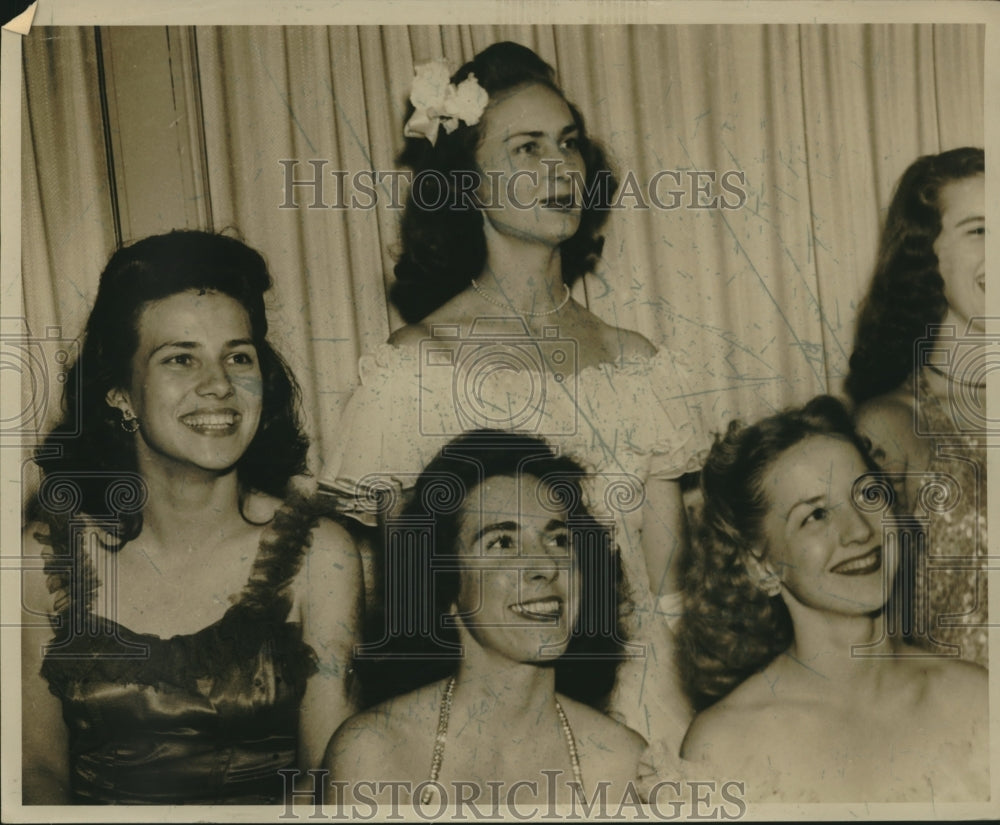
67, 215
133, 131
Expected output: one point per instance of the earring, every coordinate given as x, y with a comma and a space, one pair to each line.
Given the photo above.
762, 575
129, 422
770, 584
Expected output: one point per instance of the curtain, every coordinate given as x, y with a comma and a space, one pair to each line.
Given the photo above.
133, 131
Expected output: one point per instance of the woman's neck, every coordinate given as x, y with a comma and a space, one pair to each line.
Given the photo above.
527, 276
182, 504
504, 696
837, 648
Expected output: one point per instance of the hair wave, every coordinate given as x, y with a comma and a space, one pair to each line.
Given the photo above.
907, 292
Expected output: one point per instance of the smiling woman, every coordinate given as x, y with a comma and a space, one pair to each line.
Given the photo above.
195, 385
918, 375
803, 696
514, 586
187, 647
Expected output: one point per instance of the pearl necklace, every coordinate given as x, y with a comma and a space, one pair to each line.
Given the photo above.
506, 305
442, 737
972, 385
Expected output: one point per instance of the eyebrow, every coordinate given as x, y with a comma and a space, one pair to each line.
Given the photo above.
189, 345
567, 129
970, 219
513, 527
801, 501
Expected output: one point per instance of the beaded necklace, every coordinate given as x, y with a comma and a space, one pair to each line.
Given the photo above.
482, 291
427, 796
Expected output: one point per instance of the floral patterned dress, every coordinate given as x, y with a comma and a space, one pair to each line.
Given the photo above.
951, 578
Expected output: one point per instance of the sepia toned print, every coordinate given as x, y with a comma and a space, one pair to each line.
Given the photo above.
342, 581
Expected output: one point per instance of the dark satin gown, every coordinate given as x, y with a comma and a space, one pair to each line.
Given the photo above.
205, 718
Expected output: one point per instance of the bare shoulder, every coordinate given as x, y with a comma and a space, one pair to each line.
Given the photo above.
362, 728
892, 408
887, 421
708, 733
953, 699
956, 683
381, 740
396, 717
734, 728
600, 734
456, 311
358, 746
330, 583
334, 543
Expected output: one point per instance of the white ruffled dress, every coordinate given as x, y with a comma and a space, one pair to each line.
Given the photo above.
625, 424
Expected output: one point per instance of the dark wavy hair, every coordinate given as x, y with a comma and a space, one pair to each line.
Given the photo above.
89, 446
907, 291
731, 629
414, 644
443, 249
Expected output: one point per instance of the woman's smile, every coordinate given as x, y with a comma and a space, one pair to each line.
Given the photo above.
216, 423
864, 565
543, 609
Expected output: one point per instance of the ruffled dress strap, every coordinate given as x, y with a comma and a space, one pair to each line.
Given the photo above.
282, 548
89, 647
70, 575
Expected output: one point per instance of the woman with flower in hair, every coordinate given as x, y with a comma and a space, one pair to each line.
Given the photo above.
192, 636
918, 377
801, 694
508, 198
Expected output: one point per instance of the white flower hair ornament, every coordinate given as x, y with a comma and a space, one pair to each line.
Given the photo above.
438, 102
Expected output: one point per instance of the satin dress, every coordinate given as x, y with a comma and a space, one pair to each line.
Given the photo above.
202, 718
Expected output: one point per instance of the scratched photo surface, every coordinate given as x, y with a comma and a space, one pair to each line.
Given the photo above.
806, 626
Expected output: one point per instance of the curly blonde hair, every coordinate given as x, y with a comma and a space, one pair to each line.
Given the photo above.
730, 628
